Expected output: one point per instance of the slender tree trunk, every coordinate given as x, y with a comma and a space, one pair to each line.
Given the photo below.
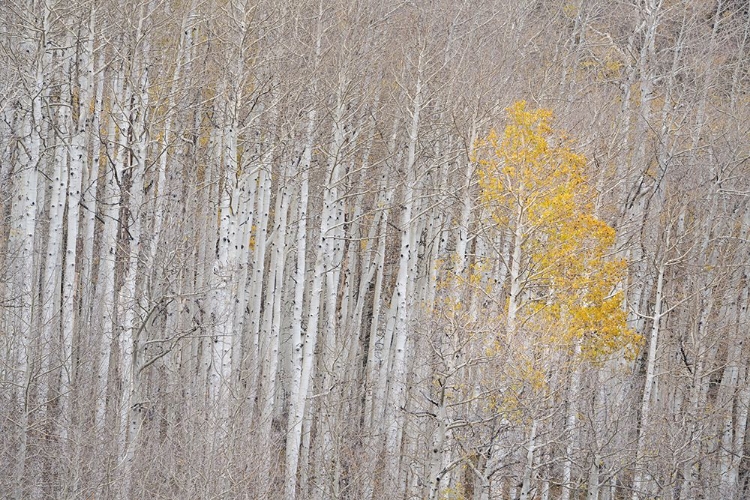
270, 369
641, 478
22, 244
571, 422
52, 275
132, 408
396, 400
296, 399
257, 279
78, 165
528, 472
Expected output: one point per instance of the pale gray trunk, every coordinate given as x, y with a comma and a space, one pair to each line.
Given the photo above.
90, 184
257, 280
571, 422
23, 244
52, 276
641, 478
296, 399
271, 357
109, 248
224, 272
132, 408
737, 383
528, 472
78, 165
593, 491
332, 249
396, 399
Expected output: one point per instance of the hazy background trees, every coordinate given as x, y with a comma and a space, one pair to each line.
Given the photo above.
245, 251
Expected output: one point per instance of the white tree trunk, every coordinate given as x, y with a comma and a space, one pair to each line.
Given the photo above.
90, 184
396, 399
52, 276
570, 422
109, 248
257, 280
132, 408
78, 165
529, 466
642, 479
736, 379
271, 358
296, 398
223, 277
333, 251
22, 243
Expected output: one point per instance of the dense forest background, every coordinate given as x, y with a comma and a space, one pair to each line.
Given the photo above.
342, 249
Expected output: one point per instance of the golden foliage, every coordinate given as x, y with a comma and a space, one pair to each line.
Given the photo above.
530, 178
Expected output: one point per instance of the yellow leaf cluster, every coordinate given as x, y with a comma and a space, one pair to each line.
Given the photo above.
535, 185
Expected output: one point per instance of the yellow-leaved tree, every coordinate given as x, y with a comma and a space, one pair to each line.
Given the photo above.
563, 281
563, 284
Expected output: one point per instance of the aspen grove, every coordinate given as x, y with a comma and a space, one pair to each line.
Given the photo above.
359, 249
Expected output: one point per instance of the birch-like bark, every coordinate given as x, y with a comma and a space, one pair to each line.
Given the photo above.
635, 206
52, 276
224, 270
442, 461
333, 257
700, 334
369, 269
78, 165
526, 485
233, 205
571, 421
323, 259
271, 358
466, 205
257, 280
642, 479
378, 358
298, 386
396, 399
132, 409
593, 479
117, 129
23, 239
516, 278
737, 382
246, 221
730, 381
296, 399
90, 184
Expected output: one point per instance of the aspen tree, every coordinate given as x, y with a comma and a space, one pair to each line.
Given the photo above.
272, 327
132, 408
257, 281
535, 188
117, 130
233, 204
301, 370
23, 230
58, 187
737, 386
560, 267
296, 398
77, 168
396, 398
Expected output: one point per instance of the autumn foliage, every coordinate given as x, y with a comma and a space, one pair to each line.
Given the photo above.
535, 188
